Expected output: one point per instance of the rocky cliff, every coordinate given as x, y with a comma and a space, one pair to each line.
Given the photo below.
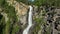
14, 18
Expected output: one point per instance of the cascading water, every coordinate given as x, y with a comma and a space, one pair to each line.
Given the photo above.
29, 21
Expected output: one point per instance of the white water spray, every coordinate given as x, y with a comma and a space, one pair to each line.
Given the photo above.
29, 21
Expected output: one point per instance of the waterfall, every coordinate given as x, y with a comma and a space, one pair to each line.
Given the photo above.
29, 21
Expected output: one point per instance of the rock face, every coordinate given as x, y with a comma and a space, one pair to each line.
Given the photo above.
22, 14
57, 21
21, 10
39, 25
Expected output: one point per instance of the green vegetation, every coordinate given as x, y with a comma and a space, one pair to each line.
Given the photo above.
9, 27
39, 22
42, 2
